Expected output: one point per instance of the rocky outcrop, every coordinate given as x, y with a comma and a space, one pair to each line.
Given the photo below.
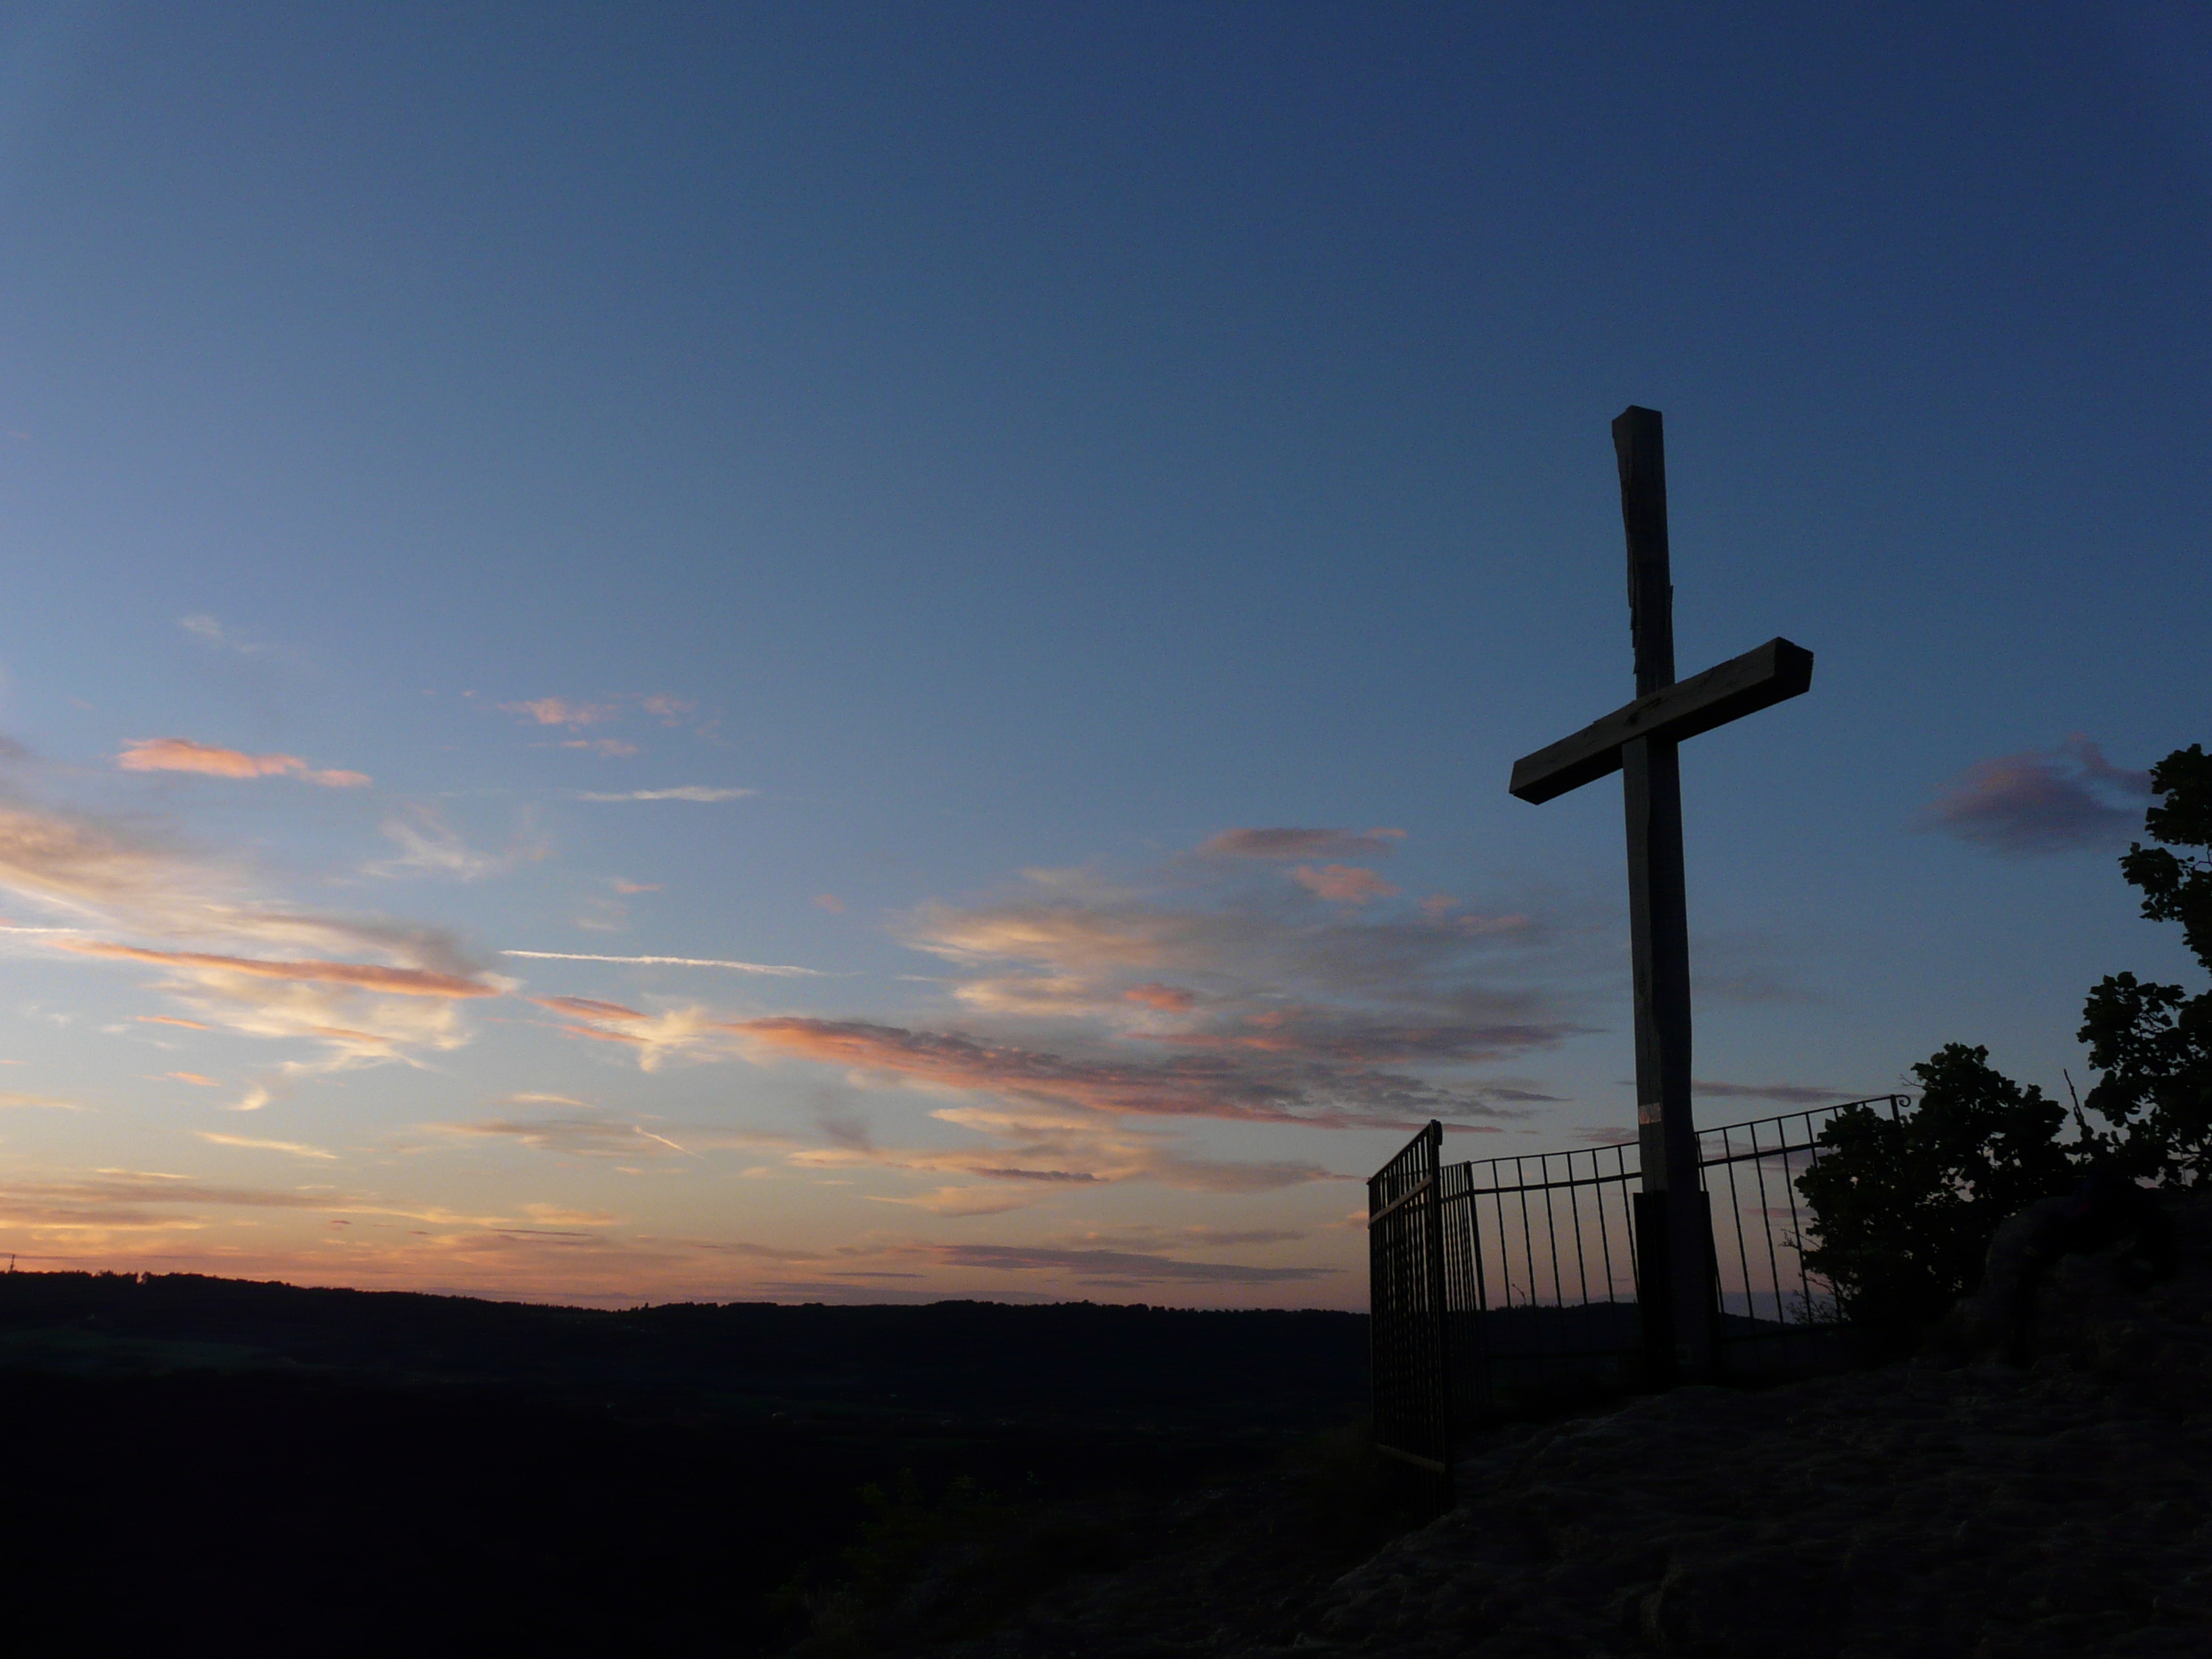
1957, 1507
1979, 1510
2061, 1507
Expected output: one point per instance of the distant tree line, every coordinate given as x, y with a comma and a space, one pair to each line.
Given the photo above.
1904, 1208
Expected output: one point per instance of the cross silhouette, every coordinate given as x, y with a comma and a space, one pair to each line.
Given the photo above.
1675, 1289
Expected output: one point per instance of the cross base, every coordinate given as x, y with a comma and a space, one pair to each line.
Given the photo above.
1675, 1282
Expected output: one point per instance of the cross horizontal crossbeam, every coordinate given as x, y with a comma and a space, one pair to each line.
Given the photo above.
1762, 677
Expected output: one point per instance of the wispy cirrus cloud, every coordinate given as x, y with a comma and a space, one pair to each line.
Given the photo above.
776, 970
370, 976
561, 711
211, 632
2042, 801
691, 792
120, 877
1083, 1018
429, 846
293, 1147
577, 714
42, 1103
655, 1037
583, 1135
1120, 1266
113, 878
1043, 1148
962, 1202
1275, 1077
1288, 844
183, 755
1343, 883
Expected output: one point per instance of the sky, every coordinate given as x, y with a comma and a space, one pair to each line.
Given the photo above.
862, 652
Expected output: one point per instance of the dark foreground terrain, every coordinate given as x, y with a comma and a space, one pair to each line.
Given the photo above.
198, 1462
1953, 1507
277, 1469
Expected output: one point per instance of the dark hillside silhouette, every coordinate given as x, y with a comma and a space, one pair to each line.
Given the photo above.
354, 1471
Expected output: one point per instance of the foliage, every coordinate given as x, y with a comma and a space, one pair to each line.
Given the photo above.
1905, 1207
2153, 1043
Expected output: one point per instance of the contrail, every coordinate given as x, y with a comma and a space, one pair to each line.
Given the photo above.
679, 962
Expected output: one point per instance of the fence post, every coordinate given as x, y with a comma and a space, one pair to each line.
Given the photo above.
1439, 1310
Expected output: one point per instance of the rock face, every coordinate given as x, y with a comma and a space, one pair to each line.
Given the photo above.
1958, 1507
1941, 1508
1980, 1510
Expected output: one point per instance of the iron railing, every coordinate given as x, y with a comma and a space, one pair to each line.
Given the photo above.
1504, 1281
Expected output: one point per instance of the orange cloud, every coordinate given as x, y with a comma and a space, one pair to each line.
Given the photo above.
1343, 883
559, 711
600, 1034
171, 1019
1303, 843
688, 1031
394, 981
1196, 1085
192, 1076
587, 1008
1169, 999
183, 755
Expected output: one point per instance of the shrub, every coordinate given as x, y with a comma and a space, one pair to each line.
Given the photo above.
2153, 1042
1905, 1207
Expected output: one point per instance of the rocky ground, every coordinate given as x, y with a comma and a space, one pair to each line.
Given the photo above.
1953, 1506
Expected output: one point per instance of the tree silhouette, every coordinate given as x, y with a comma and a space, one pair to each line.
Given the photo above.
2153, 1042
1905, 1207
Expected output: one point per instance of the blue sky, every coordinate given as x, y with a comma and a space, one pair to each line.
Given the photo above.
988, 457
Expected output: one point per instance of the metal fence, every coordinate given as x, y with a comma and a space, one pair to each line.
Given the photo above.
1505, 1282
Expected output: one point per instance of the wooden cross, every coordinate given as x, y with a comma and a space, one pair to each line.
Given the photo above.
1675, 1284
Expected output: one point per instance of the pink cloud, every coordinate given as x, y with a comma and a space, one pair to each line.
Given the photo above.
394, 981
605, 748
953, 1060
1326, 1078
830, 902
1119, 1267
559, 711
622, 886
2041, 801
183, 755
670, 709
1169, 999
587, 1008
1343, 883
1304, 843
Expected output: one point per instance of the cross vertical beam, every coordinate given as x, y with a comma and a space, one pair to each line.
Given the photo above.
1674, 1222
1676, 1286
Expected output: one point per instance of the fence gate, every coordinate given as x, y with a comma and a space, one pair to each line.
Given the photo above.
1507, 1284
